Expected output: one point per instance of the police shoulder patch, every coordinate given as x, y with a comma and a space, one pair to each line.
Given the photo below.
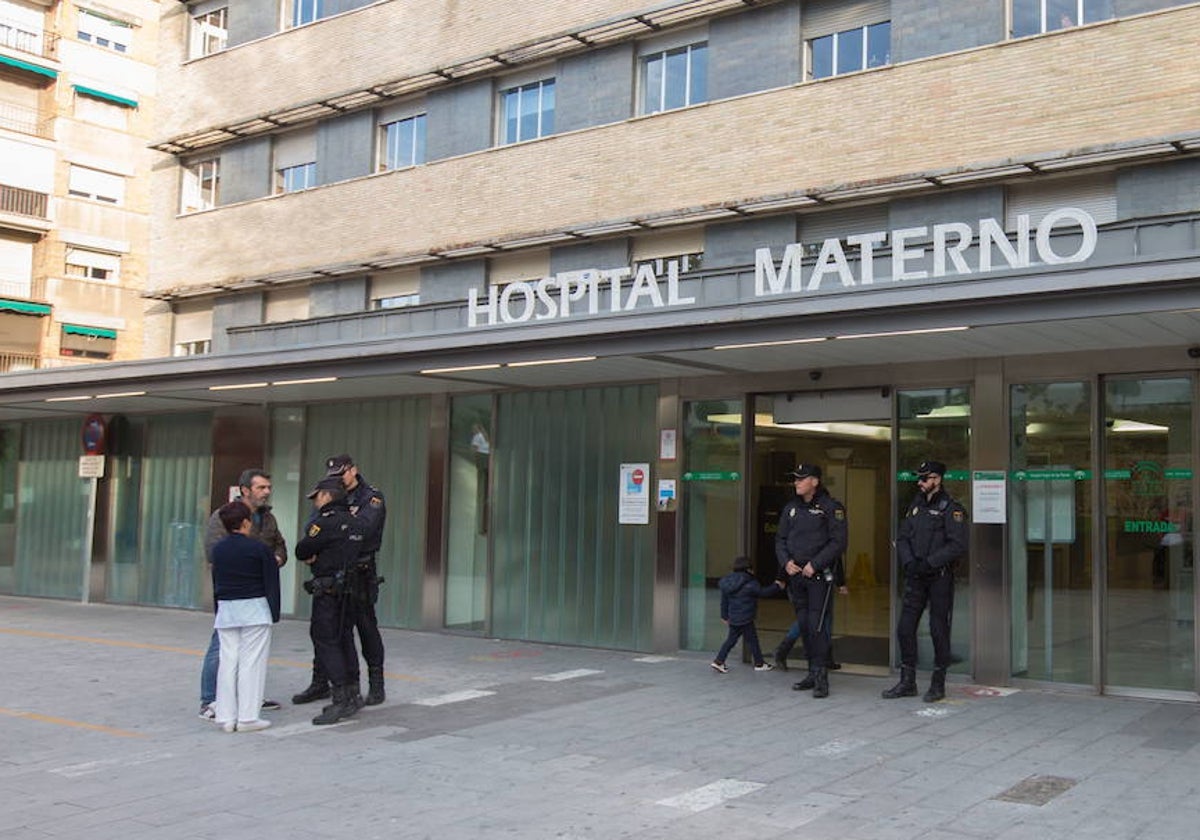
839, 514
376, 501
314, 529
958, 516
914, 512
792, 513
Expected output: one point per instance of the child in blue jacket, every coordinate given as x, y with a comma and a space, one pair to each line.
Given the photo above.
740, 592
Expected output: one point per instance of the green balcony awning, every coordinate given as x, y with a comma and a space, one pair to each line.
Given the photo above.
90, 332
24, 307
108, 97
25, 65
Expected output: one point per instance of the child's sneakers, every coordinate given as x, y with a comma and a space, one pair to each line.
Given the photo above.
719, 667
764, 666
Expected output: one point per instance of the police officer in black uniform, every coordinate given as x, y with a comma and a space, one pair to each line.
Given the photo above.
810, 540
330, 547
931, 539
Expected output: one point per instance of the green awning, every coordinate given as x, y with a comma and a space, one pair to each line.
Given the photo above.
109, 97
24, 307
25, 65
90, 332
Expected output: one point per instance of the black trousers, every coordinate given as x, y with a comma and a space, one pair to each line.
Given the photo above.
938, 594
366, 622
810, 599
330, 628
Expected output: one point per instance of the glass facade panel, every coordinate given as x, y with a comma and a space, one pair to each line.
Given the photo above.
711, 497
1050, 531
285, 462
879, 44
850, 51
10, 450
564, 570
126, 443
935, 424
822, 57
468, 513
176, 475
51, 511
389, 441
1149, 522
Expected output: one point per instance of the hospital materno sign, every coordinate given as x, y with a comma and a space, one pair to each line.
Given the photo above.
917, 253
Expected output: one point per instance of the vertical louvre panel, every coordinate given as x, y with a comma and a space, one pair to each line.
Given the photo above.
564, 571
176, 474
52, 511
824, 17
389, 441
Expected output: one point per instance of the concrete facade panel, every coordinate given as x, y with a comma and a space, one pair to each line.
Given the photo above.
921, 29
246, 170
345, 147
451, 282
337, 297
756, 50
1172, 187
459, 120
595, 88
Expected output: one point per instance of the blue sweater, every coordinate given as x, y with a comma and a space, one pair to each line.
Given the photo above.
244, 568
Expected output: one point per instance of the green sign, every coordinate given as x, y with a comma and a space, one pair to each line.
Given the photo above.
1150, 526
951, 475
1052, 475
1184, 475
712, 476
1121, 475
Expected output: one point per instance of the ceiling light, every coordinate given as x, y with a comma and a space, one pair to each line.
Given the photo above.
120, 394
1133, 426
73, 398
311, 381
563, 361
903, 332
459, 369
768, 343
238, 387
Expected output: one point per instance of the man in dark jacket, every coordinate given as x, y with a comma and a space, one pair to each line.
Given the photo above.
811, 537
740, 592
330, 547
254, 488
367, 506
931, 539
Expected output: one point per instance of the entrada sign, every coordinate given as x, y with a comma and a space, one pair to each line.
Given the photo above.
917, 253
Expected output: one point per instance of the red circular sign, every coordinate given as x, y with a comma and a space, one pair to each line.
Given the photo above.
638, 476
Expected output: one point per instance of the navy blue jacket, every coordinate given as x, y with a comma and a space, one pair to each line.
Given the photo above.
333, 537
369, 508
244, 568
740, 592
932, 535
811, 532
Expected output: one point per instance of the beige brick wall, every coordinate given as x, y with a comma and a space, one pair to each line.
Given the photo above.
368, 46
1118, 82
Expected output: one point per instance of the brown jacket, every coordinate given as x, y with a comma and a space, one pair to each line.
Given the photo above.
265, 530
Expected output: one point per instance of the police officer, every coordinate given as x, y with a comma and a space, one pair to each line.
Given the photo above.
931, 539
810, 539
330, 547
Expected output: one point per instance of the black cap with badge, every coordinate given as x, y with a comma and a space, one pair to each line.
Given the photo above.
804, 471
338, 464
931, 468
329, 482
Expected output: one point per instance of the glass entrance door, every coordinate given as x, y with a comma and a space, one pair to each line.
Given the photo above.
850, 437
1149, 601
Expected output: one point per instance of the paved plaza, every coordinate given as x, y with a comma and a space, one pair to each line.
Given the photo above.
492, 739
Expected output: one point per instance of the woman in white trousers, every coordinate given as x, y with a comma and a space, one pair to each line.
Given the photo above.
246, 591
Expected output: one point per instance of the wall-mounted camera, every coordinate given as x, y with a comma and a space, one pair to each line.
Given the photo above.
1194, 352
815, 375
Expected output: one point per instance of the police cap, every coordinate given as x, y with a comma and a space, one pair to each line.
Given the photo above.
804, 471
329, 482
338, 464
931, 468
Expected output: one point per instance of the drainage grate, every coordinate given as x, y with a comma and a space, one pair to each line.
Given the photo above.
1036, 790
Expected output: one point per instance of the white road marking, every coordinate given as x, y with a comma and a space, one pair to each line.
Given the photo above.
299, 729
655, 658
712, 794
453, 697
832, 748
568, 675
933, 712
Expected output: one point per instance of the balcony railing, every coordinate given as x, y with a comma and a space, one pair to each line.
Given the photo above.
13, 362
33, 289
18, 36
25, 120
22, 202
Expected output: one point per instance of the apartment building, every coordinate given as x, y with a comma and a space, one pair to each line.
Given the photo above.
76, 104
577, 284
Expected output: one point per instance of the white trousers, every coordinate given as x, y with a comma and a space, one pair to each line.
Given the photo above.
242, 675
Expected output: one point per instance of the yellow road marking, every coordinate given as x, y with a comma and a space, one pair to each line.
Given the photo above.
290, 663
75, 724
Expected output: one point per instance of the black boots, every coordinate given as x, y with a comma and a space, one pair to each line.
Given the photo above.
781, 654
806, 683
907, 687
375, 690
821, 680
315, 691
343, 706
937, 686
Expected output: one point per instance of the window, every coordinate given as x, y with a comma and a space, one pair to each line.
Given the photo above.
199, 347
306, 11
92, 265
210, 32
87, 342
282, 305
302, 176
201, 185
95, 185
396, 289
518, 267
104, 32
850, 50
1031, 17
402, 143
192, 328
527, 111
295, 155
674, 78
657, 250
